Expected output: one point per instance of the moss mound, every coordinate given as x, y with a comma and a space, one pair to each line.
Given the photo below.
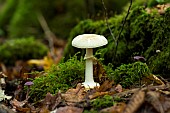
60, 77
21, 49
130, 74
143, 34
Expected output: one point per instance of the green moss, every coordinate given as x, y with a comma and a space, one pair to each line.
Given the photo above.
103, 102
129, 74
21, 49
158, 62
143, 34
59, 77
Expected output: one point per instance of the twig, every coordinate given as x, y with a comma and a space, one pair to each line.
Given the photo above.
122, 27
52, 39
106, 20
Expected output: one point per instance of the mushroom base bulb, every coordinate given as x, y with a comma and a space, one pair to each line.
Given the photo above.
90, 85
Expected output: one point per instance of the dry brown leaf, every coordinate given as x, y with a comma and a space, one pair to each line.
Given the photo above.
16, 103
155, 79
165, 101
98, 94
102, 90
118, 88
44, 110
51, 102
69, 109
118, 108
135, 102
23, 110
74, 95
105, 86
99, 72
152, 97
161, 8
126, 93
5, 109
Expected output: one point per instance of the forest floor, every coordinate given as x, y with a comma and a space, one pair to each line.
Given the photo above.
152, 96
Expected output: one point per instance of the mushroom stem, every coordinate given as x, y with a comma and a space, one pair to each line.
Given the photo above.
89, 65
89, 81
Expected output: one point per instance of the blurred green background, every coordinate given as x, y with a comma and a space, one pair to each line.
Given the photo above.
18, 18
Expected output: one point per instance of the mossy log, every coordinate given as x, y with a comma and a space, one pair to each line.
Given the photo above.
143, 34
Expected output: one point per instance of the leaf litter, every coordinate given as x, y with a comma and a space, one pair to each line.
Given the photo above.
153, 96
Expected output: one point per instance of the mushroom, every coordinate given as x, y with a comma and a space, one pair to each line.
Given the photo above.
29, 83
88, 42
139, 58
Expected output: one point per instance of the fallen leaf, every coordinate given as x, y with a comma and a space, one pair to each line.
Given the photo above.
23, 110
17, 103
51, 102
105, 86
118, 88
99, 72
136, 101
117, 108
5, 109
44, 110
74, 95
98, 94
152, 97
165, 101
154, 79
69, 109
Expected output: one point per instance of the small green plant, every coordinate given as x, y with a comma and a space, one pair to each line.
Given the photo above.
21, 49
59, 77
130, 74
103, 102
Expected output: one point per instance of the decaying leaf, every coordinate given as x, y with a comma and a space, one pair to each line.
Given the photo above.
165, 101
105, 86
126, 93
152, 97
99, 72
16, 103
104, 89
74, 95
46, 62
136, 101
44, 110
23, 110
161, 8
5, 109
98, 94
153, 79
160, 102
118, 88
18, 106
69, 109
117, 108
51, 102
